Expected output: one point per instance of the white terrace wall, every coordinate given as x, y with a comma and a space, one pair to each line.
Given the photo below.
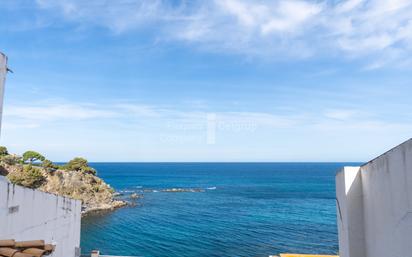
27, 214
375, 206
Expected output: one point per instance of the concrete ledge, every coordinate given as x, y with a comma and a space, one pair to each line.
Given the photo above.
306, 255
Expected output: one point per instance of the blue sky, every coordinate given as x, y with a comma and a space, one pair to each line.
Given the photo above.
218, 80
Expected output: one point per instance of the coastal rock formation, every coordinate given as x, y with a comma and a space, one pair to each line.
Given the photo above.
94, 193
75, 180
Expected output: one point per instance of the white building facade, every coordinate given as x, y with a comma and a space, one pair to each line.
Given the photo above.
28, 214
374, 206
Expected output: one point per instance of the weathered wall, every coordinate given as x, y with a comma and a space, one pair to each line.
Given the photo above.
27, 214
3, 71
378, 205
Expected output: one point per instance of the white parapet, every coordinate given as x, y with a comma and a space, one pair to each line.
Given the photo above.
28, 214
374, 205
349, 204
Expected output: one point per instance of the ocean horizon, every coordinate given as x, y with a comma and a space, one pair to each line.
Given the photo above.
221, 209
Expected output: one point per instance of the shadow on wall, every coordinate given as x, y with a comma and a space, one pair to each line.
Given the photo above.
350, 212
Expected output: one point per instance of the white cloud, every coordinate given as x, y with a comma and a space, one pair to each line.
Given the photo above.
291, 15
355, 28
247, 14
19, 125
51, 112
147, 132
380, 28
161, 117
45, 114
119, 16
282, 27
137, 110
340, 114
349, 5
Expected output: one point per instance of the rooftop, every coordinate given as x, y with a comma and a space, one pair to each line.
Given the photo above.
35, 248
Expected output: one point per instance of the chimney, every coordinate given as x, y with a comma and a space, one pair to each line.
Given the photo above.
95, 253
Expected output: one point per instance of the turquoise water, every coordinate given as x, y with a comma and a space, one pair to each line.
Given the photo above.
242, 209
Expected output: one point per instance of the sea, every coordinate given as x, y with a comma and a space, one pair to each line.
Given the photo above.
217, 209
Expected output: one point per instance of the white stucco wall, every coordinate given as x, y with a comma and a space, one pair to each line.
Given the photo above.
3, 72
376, 205
350, 212
27, 214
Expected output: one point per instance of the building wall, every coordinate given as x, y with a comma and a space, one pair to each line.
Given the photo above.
350, 212
27, 214
377, 204
3, 71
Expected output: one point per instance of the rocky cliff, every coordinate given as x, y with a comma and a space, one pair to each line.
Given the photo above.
94, 193
71, 180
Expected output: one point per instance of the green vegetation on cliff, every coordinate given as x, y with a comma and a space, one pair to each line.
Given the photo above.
76, 179
3, 151
80, 164
32, 156
27, 176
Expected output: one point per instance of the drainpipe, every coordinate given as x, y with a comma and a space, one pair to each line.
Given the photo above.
3, 72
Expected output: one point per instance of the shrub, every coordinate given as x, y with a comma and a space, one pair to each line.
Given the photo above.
80, 164
61, 167
11, 159
89, 170
32, 156
49, 165
29, 176
16, 177
34, 177
77, 164
3, 151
